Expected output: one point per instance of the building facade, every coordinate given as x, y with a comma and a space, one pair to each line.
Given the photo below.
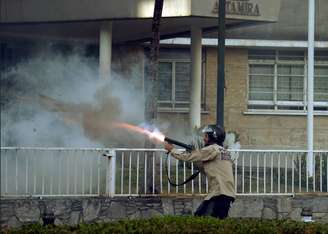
265, 89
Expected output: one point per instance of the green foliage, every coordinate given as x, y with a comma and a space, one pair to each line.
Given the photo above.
183, 224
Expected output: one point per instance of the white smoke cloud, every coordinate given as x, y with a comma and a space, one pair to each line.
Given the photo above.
57, 100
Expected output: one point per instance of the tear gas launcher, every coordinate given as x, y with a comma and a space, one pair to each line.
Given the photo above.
175, 142
188, 148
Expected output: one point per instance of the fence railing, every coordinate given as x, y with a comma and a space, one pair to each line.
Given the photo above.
27, 171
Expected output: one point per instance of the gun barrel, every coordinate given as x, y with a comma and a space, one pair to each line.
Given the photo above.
175, 142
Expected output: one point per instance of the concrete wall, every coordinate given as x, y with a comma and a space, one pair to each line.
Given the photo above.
72, 211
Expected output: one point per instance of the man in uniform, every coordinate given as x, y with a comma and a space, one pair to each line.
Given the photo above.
217, 166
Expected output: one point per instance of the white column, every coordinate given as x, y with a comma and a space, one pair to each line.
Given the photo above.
105, 50
196, 77
310, 74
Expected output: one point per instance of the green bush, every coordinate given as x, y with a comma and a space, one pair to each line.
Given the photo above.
183, 224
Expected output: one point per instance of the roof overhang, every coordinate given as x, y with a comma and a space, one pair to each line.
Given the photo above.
76, 19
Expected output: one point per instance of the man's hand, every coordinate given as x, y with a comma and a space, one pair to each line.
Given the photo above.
168, 146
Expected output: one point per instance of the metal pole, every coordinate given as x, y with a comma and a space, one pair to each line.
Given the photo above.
220, 70
310, 86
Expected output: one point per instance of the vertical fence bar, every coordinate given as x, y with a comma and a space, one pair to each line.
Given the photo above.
161, 173
153, 172
200, 183
83, 171
299, 173
98, 175
327, 173
176, 175
168, 174
293, 180
75, 174
257, 173
250, 172
320, 155
6, 173
16, 173
60, 175
91, 175
264, 173
243, 175
236, 174
192, 182
34, 175
307, 177
314, 173
43, 179
286, 164
138, 168
130, 163
184, 176
26, 175
271, 172
122, 172
279, 172
51, 170
145, 175
67, 173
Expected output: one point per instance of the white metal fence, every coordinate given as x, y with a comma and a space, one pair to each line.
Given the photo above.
97, 171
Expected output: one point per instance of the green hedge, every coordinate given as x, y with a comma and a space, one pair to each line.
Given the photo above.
184, 224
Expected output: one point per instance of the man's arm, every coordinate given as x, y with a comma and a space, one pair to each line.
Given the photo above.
204, 154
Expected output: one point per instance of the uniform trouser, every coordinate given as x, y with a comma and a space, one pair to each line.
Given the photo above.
217, 206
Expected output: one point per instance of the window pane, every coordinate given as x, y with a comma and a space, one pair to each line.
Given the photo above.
290, 70
182, 81
321, 84
261, 69
165, 81
261, 54
290, 83
321, 55
261, 82
291, 55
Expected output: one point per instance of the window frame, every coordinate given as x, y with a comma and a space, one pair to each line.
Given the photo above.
172, 104
275, 104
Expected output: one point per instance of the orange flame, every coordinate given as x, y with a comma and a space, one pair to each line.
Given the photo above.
155, 135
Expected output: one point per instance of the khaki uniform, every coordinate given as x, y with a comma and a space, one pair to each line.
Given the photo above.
217, 166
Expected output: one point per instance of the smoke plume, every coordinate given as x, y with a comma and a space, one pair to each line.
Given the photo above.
58, 100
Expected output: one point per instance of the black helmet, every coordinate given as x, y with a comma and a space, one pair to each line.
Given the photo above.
215, 133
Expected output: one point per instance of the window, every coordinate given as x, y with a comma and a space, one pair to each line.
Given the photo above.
277, 80
174, 80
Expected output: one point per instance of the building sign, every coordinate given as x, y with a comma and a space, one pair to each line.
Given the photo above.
239, 7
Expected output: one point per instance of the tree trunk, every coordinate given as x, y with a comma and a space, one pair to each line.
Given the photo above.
151, 84
152, 71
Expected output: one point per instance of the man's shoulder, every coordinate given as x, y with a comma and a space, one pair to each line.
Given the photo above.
214, 147
221, 151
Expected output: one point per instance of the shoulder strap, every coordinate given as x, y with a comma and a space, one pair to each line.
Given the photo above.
190, 178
